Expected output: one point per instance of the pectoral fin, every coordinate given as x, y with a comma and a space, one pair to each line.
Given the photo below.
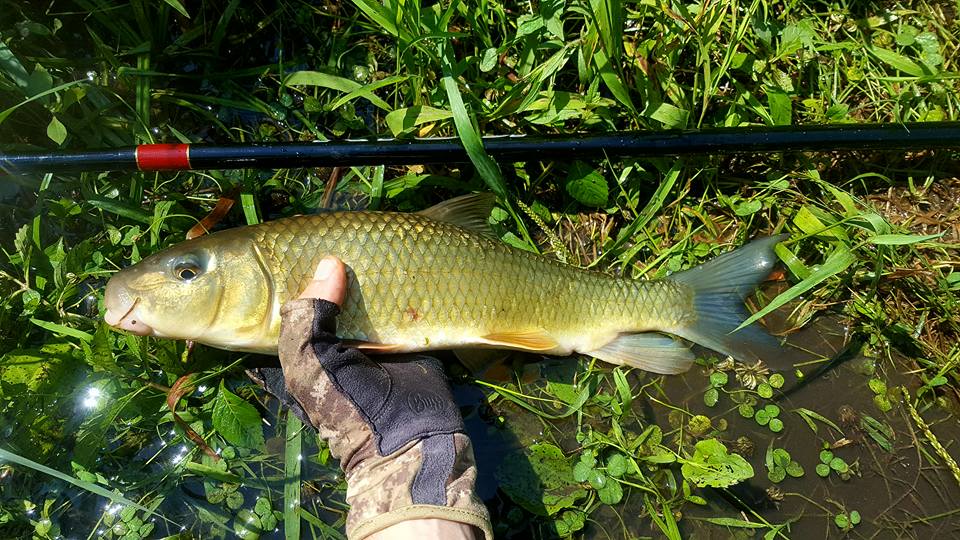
533, 341
375, 348
650, 351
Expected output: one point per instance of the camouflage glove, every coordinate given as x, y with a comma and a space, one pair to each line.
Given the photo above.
393, 425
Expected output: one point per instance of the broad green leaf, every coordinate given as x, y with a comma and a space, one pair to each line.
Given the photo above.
795, 36
11, 66
99, 352
837, 262
611, 493
561, 380
781, 106
489, 59
35, 369
711, 465
672, 117
809, 223
236, 420
898, 61
56, 131
552, 11
616, 465
586, 185
404, 120
540, 480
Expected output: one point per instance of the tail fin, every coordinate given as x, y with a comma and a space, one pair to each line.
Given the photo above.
720, 287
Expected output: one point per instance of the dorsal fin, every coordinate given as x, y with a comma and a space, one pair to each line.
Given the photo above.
468, 211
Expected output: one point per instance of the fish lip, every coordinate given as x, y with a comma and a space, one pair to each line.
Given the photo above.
127, 322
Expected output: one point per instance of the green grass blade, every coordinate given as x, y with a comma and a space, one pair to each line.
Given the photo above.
378, 14
291, 478
902, 239
333, 82
8, 456
7, 112
837, 262
468, 133
61, 329
249, 205
175, 4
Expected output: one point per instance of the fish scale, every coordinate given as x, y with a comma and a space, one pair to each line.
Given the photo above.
424, 283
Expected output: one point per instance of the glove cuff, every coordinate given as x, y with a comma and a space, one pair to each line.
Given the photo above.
476, 517
433, 478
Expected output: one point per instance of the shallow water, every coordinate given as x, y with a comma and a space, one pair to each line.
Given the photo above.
906, 493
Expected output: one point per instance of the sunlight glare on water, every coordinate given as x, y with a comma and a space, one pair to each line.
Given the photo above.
92, 398
181, 453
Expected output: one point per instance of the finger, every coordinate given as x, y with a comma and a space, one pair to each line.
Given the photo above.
329, 281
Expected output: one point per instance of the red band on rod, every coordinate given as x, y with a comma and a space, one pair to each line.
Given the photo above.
163, 157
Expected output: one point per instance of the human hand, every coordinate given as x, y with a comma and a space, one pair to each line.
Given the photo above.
393, 425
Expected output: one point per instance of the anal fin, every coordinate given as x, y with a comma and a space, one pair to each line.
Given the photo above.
648, 350
533, 341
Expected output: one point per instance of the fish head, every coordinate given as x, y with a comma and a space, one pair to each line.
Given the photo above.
214, 289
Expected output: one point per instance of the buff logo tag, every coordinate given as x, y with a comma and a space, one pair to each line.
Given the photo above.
422, 401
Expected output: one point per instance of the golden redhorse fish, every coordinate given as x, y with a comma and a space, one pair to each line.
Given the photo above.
437, 279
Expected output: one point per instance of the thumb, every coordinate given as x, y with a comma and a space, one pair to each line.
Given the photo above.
329, 281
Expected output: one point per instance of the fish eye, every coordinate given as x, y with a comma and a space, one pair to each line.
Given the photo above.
187, 270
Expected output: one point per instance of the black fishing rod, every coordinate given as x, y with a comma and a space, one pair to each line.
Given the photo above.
512, 148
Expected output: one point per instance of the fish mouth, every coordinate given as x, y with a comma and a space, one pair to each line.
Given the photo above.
126, 319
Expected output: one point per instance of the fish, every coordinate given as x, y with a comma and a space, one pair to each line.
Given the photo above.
439, 279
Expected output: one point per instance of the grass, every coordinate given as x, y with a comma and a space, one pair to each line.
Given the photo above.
872, 254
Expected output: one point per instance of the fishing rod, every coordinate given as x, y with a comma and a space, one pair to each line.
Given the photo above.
510, 148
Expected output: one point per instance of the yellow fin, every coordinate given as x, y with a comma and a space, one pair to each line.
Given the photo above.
534, 341
468, 211
374, 348
650, 351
